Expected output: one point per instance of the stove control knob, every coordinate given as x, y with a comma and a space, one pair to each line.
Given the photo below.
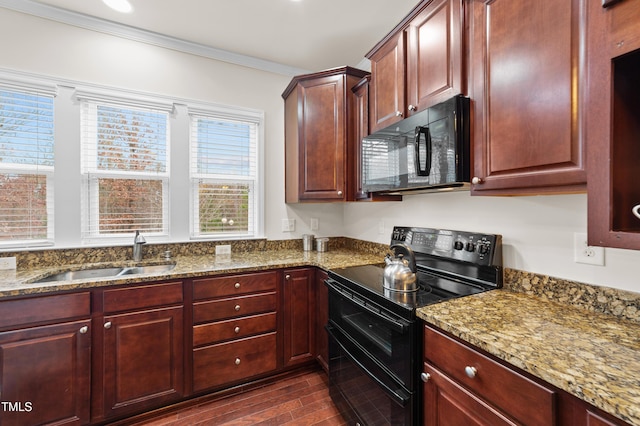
458, 245
483, 249
470, 247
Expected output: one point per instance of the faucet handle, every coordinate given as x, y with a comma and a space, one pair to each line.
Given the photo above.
139, 239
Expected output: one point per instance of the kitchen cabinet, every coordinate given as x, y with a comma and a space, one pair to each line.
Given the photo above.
613, 124
463, 386
322, 318
527, 83
299, 310
45, 360
142, 343
234, 328
419, 64
319, 132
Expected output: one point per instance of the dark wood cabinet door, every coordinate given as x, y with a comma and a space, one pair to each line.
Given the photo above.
527, 84
387, 90
322, 318
143, 360
45, 375
446, 403
322, 146
299, 316
434, 55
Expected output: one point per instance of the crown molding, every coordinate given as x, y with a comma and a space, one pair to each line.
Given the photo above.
131, 33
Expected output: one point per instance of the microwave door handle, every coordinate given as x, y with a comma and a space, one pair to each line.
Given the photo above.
428, 148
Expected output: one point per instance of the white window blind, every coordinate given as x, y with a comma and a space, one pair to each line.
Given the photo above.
223, 175
26, 165
125, 152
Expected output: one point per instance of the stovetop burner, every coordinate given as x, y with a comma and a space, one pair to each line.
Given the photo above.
450, 264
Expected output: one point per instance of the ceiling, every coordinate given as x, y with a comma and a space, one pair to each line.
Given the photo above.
300, 36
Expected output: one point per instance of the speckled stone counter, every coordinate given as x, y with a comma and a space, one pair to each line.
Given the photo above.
586, 351
187, 266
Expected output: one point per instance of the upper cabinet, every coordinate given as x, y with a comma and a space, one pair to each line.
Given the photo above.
319, 130
417, 65
613, 124
527, 82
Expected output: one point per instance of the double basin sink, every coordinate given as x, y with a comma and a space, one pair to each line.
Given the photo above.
87, 274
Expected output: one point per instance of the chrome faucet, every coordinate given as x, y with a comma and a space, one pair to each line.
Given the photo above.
138, 241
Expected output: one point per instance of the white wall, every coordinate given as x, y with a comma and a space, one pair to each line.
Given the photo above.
537, 231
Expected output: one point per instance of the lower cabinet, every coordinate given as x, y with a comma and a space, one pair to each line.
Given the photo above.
142, 348
45, 370
234, 329
322, 318
299, 316
462, 386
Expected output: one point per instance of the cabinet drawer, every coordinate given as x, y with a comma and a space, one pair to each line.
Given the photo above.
148, 296
44, 309
233, 307
519, 397
234, 285
228, 362
233, 329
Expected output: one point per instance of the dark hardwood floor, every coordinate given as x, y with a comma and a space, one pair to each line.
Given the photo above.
298, 400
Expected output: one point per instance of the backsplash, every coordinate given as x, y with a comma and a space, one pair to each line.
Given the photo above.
57, 257
619, 303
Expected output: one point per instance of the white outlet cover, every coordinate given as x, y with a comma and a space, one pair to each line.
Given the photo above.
583, 253
7, 263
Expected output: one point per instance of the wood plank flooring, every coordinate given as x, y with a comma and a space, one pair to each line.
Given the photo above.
300, 400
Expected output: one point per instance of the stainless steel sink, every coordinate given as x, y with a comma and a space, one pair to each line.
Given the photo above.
82, 275
151, 269
87, 274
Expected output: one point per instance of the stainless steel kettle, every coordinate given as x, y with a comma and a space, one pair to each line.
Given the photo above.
400, 272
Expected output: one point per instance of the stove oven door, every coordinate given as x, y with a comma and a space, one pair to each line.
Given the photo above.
363, 392
389, 340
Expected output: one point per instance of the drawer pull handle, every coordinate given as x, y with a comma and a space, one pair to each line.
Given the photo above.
287, 277
237, 330
237, 285
237, 308
237, 361
425, 377
83, 330
470, 371
107, 325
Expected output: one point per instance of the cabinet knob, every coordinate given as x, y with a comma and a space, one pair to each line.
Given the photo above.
237, 330
237, 361
470, 371
425, 377
107, 325
237, 285
340, 193
287, 277
237, 308
476, 180
413, 108
84, 330
399, 114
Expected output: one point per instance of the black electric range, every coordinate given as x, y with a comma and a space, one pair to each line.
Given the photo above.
374, 336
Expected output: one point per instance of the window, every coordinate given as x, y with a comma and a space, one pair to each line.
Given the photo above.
26, 165
125, 152
223, 174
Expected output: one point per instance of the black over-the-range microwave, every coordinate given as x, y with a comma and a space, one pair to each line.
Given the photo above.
428, 151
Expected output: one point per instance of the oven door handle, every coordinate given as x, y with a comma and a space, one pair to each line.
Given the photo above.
400, 397
397, 326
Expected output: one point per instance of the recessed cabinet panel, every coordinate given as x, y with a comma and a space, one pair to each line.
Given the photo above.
527, 86
388, 83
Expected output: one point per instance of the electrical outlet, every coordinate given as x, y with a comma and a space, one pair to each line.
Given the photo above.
314, 224
288, 225
7, 263
584, 253
223, 250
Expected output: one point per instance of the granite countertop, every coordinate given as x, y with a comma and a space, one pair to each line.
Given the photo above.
22, 283
591, 355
